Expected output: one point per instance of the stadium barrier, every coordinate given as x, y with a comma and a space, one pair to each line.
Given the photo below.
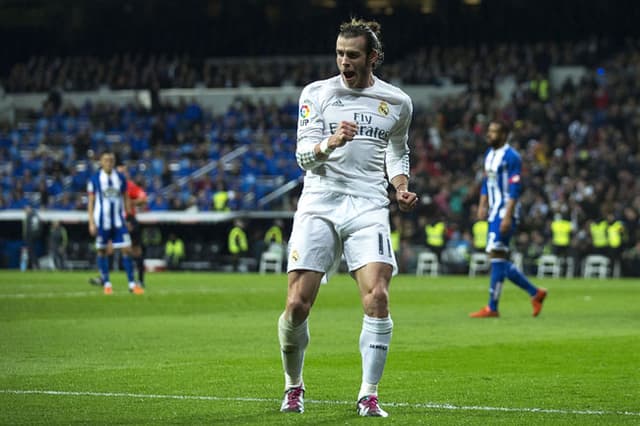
216, 100
219, 99
204, 234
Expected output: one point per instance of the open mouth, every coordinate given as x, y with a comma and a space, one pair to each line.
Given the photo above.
349, 74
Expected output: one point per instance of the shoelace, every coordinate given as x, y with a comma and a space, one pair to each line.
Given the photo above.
293, 396
371, 403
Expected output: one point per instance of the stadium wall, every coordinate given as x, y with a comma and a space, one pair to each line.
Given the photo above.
216, 100
219, 100
204, 234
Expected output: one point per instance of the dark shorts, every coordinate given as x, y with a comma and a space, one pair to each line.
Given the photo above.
135, 230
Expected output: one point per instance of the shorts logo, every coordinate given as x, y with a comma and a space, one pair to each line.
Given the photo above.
295, 256
514, 179
383, 108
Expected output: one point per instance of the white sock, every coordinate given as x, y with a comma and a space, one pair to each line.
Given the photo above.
293, 342
374, 346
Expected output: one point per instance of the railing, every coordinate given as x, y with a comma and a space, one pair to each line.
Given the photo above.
211, 165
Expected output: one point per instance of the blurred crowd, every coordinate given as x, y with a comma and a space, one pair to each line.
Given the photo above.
581, 158
47, 160
580, 144
433, 65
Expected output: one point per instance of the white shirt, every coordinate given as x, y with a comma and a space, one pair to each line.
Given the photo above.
383, 113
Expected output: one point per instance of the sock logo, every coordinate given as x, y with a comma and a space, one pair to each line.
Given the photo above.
378, 346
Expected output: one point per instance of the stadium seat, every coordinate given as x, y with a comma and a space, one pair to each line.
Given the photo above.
427, 262
569, 265
271, 262
155, 265
517, 260
479, 262
46, 263
596, 266
548, 264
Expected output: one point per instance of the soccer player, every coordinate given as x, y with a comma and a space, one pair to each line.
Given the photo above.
139, 199
352, 141
108, 200
501, 187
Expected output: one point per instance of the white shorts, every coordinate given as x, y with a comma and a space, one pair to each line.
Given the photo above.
326, 226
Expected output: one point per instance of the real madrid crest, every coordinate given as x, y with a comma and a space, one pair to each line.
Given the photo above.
383, 108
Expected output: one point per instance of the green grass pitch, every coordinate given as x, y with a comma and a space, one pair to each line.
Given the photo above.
202, 349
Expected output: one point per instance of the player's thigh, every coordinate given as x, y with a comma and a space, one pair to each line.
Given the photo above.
371, 244
121, 239
103, 239
498, 241
373, 278
313, 245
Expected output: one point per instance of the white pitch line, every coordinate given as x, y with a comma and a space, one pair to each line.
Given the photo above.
431, 405
117, 292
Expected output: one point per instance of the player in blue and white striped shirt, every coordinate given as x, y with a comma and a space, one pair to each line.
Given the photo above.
108, 201
501, 188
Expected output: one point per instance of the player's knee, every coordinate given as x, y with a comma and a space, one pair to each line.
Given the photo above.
379, 295
298, 308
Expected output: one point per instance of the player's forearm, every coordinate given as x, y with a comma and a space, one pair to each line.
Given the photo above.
127, 204
90, 209
400, 182
482, 207
310, 155
509, 208
397, 157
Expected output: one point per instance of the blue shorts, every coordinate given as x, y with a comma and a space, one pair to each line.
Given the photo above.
119, 237
497, 241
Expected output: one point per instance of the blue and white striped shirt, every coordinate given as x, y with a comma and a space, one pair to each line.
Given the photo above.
502, 180
109, 190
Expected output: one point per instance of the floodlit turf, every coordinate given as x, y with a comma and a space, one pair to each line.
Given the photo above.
202, 349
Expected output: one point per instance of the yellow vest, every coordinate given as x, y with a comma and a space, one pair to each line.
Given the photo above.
541, 88
480, 232
435, 234
174, 249
220, 199
237, 241
561, 232
395, 240
273, 234
614, 234
599, 234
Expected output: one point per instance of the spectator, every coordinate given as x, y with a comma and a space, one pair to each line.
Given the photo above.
31, 234
237, 243
58, 241
174, 252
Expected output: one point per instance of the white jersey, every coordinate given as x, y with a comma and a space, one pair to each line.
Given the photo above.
109, 190
379, 151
